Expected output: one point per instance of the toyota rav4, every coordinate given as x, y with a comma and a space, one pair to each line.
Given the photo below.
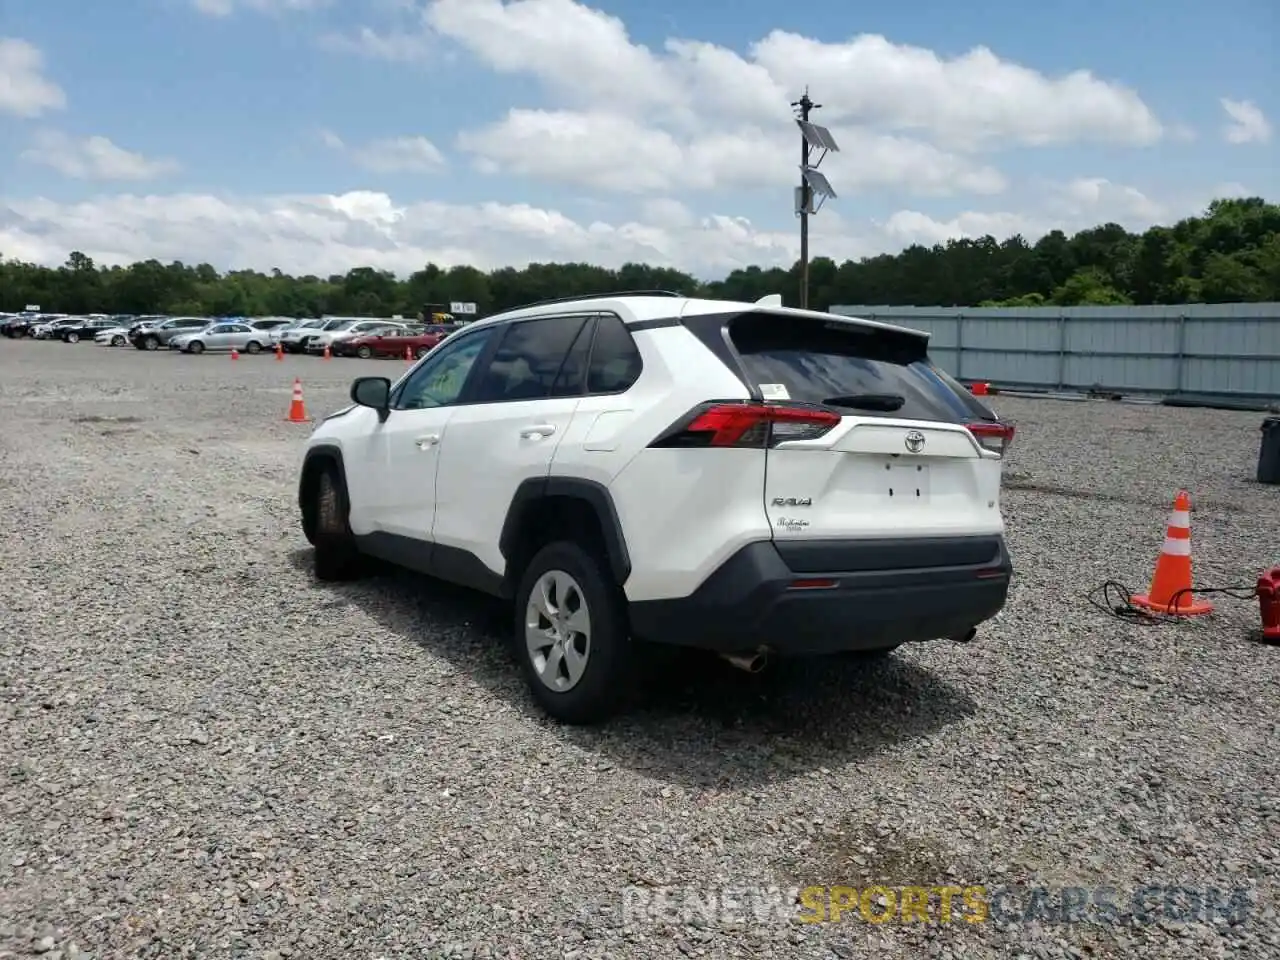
743, 478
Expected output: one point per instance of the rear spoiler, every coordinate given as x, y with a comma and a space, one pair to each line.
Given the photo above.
773, 301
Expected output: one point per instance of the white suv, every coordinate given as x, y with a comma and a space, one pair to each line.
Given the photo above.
743, 478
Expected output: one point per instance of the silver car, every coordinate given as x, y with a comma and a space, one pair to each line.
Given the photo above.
221, 336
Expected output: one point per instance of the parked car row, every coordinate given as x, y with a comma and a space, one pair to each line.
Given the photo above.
342, 336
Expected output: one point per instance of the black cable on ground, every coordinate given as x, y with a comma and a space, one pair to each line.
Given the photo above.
1112, 598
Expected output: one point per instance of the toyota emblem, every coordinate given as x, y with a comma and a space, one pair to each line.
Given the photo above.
915, 441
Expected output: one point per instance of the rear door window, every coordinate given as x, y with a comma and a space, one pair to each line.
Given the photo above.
615, 358
861, 371
528, 360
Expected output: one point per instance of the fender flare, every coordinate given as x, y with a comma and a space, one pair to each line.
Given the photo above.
321, 451
595, 495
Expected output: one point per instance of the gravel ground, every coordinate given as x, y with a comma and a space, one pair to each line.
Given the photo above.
208, 754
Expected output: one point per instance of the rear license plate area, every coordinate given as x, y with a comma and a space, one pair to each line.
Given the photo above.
906, 482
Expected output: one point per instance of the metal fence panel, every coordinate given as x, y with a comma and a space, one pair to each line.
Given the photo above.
1229, 350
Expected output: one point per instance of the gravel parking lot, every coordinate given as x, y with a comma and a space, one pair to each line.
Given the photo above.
208, 754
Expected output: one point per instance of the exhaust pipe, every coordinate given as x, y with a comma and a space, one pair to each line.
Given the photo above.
750, 662
966, 636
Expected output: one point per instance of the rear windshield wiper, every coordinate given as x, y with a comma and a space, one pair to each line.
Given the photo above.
887, 402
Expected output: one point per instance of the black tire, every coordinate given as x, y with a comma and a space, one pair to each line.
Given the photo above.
72, 338
195, 346
253, 346
422, 352
364, 351
150, 343
117, 341
336, 556
606, 683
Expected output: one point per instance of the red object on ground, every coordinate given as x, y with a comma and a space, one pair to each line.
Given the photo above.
1269, 602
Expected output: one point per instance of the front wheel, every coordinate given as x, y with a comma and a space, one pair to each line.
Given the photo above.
195, 347
422, 352
571, 635
336, 555
72, 338
364, 352
117, 341
151, 343
253, 346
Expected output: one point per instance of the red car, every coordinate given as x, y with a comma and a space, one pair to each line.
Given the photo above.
387, 345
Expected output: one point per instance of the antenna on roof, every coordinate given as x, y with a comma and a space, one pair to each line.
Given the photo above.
772, 300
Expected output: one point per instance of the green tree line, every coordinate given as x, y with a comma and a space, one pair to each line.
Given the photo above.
1230, 254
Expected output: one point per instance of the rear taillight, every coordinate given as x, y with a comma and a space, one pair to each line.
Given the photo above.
994, 437
752, 425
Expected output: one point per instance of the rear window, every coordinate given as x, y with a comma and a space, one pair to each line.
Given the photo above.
835, 363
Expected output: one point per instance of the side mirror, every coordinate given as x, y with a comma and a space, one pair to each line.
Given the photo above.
374, 392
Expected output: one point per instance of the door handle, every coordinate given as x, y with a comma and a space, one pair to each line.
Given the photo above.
429, 440
538, 430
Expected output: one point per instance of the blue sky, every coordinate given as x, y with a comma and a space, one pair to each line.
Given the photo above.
244, 119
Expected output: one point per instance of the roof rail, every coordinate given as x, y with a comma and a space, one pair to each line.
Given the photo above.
597, 296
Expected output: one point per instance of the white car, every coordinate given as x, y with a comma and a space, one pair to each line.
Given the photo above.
294, 339
743, 478
118, 335
48, 329
348, 329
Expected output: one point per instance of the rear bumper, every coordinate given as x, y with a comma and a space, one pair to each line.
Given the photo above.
883, 592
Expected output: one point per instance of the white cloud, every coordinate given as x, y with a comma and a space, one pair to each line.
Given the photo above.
24, 89
587, 58
391, 155
396, 46
1102, 200
617, 153
224, 8
694, 115
94, 158
325, 234
1248, 124
911, 226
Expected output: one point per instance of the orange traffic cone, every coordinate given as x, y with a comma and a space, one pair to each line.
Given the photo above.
1171, 584
980, 389
297, 409
327, 352
279, 352
235, 354
408, 355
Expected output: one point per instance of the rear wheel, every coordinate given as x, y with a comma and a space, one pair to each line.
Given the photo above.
253, 346
422, 352
571, 635
117, 341
151, 343
72, 338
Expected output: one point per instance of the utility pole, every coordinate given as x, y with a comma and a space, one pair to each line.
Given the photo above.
812, 183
